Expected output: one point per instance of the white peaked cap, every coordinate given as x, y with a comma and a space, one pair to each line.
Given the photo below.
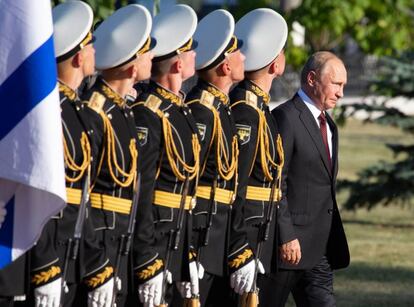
72, 21
173, 27
213, 34
121, 36
264, 33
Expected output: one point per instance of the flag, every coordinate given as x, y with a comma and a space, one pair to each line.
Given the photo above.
32, 178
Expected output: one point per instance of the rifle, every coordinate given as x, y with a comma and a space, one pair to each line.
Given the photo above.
251, 299
72, 249
125, 241
203, 241
174, 241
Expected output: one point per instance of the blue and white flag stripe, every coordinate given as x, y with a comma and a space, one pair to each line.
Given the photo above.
32, 186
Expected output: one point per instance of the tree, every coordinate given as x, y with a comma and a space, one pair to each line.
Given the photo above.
387, 182
378, 27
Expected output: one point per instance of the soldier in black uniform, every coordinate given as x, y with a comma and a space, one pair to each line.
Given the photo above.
220, 239
170, 151
81, 127
123, 56
260, 143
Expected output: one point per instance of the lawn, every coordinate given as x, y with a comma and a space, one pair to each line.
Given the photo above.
381, 240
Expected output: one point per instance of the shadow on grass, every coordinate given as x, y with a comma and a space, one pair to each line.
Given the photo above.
383, 225
363, 272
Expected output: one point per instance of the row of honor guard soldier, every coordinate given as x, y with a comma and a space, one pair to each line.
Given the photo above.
260, 143
68, 265
123, 57
206, 167
219, 237
170, 151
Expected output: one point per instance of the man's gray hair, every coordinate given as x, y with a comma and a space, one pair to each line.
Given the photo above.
316, 63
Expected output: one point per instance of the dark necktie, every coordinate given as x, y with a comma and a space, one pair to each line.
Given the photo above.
324, 133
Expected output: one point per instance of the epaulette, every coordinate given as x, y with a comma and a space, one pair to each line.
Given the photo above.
251, 99
96, 102
153, 103
207, 99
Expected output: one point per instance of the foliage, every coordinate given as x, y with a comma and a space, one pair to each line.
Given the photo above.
387, 182
378, 27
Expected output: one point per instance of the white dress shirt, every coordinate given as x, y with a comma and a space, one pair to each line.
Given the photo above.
316, 112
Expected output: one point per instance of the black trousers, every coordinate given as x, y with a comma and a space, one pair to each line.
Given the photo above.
310, 288
6, 301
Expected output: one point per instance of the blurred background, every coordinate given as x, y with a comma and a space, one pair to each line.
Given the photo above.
375, 39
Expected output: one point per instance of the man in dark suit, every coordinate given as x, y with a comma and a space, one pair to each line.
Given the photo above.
312, 238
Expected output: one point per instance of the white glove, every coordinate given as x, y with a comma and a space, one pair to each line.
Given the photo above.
200, 270
188, 288
150, 291
3, 213
101, 296
48, 295
242, 279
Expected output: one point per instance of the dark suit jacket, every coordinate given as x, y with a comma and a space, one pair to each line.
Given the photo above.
309, 210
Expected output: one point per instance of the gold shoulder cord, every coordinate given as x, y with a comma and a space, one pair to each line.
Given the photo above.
71, 164
264, 144
226, 168
112, 159
173, 155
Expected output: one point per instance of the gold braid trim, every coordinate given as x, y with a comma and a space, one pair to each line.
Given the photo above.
173, 155
100, 278
170, 96
218, 94
43, 277
150, 270
70, 162
259, 92
112, 159
110, 93
67, 91
241, 259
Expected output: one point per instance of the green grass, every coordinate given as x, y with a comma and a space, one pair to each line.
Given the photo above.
381, 241
364, 144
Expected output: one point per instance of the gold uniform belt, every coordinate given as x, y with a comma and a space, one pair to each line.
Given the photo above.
100, 201
73, 196
111, 203
221, 195
259, 193
171, 200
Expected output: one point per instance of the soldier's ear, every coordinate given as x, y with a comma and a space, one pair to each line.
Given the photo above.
132, 71
177, 66
225, 68
77, 60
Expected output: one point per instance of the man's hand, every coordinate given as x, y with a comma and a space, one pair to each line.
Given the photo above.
48, 295
242, 279
290, 252
150, 291
187, 289
101, 296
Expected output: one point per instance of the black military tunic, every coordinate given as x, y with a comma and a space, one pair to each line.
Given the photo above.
219, 160
82, 129
170, 151
112, 192
260, 154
